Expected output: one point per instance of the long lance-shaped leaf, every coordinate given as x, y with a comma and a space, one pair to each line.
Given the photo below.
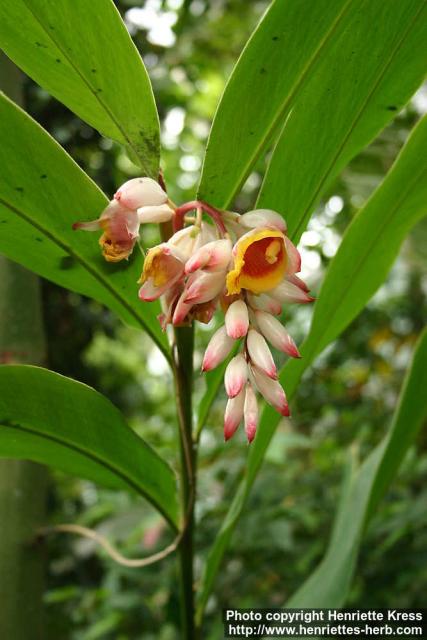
82, 54
341, 77
42, 192
356, 78
370, 70
328, 585
368, 249
48, 418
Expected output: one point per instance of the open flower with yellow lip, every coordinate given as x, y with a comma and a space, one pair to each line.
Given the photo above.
260, 261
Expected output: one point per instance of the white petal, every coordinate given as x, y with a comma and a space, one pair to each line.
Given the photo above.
156, 214
262, 218
140, 192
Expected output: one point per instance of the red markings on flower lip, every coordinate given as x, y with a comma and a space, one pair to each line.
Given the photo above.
256, 262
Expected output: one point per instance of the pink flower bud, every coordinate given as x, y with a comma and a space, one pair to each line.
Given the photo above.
288, 292
271, 390
237, 320
276, 333
157, 214
260, 354
233, 414
262, 218
236, 375
263, 302
217, 350
140, 192
181, 310
250, 412
297, 282
213, 256
205, 287
293, 255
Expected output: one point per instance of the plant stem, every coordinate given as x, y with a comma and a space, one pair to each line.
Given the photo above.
183, 379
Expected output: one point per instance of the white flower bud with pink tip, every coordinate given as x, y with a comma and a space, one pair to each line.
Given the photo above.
213, 256
217, 350
250, 412
156, 214
204, 287
237, 319
140, 192
276, 333
262, 218
288, 292
260, 354
233, 414
265, 302
236, 375
271, 390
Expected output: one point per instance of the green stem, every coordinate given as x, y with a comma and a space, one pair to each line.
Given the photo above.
183, 379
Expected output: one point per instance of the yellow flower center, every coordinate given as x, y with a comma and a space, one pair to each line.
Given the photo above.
259, 262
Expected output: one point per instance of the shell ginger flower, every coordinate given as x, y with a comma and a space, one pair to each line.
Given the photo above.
261, 278
137, 201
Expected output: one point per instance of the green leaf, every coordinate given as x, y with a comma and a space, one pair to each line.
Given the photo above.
68, 425
339, 78
329, 584
42, 192
83, 55
367, 251
267, 77
372, 66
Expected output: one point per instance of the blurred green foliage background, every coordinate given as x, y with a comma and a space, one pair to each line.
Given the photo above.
342, 408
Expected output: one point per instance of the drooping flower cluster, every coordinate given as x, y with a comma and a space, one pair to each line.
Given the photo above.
244, 264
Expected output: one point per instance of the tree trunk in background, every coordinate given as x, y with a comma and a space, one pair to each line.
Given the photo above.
23, 484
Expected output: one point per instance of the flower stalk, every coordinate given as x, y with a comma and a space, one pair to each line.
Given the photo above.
182, 359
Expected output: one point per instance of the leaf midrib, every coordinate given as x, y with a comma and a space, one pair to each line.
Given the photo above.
95, 94
93, 272
355, 123
92, 456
